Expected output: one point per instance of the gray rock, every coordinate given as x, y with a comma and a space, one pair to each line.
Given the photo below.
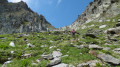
65, 56
118, 20
113, 20
54, 62
91, 35
108, 58
5, 64
95, 47
44, 45
30, 45
113, 30
39, 60
52, 47
34, 63
81, 46
56, 54
61, 65
12, 52
19, 18
47, 57
103, 26
2, 38
116, 50
91, 63
118, 24
106, 48
96, 11
27, 55
12, 44
108, 20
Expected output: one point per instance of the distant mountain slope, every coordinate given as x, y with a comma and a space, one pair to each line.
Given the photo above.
97, 11
18, 18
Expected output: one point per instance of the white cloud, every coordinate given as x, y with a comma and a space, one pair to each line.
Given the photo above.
59, 1
14, 1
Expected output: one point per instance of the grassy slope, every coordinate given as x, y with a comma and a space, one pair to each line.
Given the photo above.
62, 41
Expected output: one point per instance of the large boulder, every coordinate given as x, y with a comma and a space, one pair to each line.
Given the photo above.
56, 54
93, 33
108, 58
113, 30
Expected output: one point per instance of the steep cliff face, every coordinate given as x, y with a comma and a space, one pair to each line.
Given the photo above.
18, 18
97, 11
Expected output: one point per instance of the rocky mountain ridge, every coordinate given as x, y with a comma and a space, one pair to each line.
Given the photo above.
19, 18
97, 11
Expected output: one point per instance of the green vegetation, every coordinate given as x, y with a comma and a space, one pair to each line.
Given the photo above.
62, 40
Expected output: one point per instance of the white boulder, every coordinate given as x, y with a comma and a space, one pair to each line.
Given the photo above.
12, 44
103, 26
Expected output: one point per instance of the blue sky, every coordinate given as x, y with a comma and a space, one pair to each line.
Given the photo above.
59, 13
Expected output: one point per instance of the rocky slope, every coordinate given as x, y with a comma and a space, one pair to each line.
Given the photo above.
97, 11
19, 18
96, 44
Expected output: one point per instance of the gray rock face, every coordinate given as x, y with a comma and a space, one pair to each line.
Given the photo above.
108, 58
93, 33
19, 18
97, 11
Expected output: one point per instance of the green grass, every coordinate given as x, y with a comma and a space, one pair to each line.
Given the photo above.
58, 39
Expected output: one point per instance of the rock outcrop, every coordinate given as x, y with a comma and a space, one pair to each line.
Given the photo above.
98, 11
19, 18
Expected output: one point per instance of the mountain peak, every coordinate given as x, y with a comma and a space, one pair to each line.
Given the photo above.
19, 18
